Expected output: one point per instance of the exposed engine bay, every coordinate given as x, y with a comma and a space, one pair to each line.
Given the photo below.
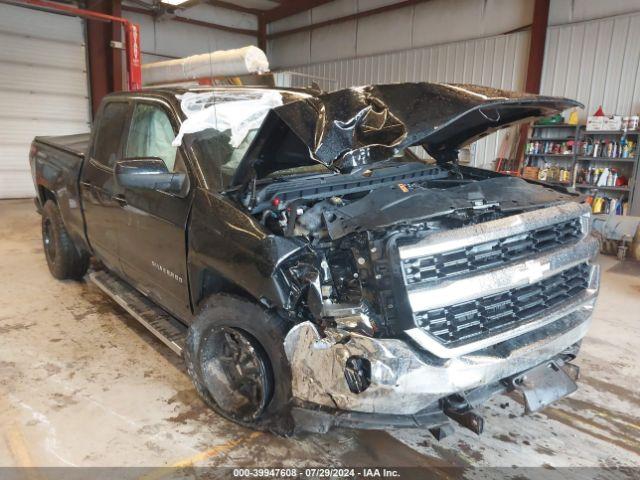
352, 224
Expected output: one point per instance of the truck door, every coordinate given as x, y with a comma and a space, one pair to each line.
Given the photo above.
101, 197
153, 243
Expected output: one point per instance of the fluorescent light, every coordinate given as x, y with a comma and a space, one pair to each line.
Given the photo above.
174, 2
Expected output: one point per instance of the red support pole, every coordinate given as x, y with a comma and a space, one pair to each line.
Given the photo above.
117, 55
98, 64
262, 33
534, 66
536, 48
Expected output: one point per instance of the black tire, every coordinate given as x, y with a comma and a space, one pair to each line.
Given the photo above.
64, 259
248, 323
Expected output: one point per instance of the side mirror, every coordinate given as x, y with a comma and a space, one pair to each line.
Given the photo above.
149, 173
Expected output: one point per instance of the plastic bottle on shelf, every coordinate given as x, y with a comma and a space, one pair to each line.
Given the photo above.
573, 117
597, 205
581, 175
542, 174
602, 179
589, 147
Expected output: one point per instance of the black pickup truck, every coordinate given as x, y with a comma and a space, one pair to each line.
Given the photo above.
322, 259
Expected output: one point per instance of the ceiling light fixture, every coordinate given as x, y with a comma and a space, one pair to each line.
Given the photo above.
175, 3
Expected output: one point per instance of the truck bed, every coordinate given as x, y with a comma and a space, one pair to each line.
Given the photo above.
56, 163
77, 144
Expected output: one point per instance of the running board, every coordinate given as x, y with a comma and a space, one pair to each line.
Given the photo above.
164, 326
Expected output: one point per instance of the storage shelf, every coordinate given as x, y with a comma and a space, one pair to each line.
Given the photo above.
554, 155
595, 187
555, 125
607, 159
553, 139
577, 161
609, 132
558, 184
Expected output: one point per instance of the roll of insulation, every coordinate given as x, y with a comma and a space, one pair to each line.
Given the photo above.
223, 63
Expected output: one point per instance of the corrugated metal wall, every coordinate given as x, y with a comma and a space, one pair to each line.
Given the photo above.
595, 62
498, 61
162, 39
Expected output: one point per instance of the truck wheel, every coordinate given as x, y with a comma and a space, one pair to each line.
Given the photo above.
235, 356
63, 258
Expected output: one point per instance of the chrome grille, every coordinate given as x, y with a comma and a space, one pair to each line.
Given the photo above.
488, 315
491, 254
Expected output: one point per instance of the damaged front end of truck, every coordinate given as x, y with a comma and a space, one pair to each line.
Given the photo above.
414, 324
416, 289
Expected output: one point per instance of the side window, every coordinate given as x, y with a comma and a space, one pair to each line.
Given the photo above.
110, 133
151, 134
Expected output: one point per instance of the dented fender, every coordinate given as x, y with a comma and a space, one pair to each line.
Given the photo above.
230, 244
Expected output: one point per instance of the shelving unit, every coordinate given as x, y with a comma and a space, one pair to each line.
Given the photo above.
607, 159
603, 187
625, 166
558, 133
555, 155
576, 160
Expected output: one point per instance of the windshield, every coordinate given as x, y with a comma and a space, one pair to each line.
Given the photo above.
220, 158
221, 124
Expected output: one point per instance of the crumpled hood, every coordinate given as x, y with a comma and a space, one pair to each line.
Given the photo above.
362, 125
391, 205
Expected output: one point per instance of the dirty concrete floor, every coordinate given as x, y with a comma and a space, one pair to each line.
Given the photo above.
83, 384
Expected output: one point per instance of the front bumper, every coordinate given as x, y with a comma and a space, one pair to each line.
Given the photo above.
406, 380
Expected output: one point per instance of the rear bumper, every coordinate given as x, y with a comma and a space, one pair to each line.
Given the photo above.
406, 380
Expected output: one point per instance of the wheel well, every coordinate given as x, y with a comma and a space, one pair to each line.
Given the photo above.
211, 283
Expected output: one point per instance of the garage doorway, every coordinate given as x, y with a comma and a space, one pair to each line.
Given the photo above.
43, 88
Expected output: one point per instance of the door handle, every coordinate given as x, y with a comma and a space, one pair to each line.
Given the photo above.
119, 198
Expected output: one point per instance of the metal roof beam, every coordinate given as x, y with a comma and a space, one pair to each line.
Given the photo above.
192, 21
233, 6
346, 18
288, 8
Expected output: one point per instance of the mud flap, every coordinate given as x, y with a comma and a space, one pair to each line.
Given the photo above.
543, 385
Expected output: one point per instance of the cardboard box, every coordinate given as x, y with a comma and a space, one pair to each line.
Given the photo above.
613, 122
608, 122
531, 173
595, 123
